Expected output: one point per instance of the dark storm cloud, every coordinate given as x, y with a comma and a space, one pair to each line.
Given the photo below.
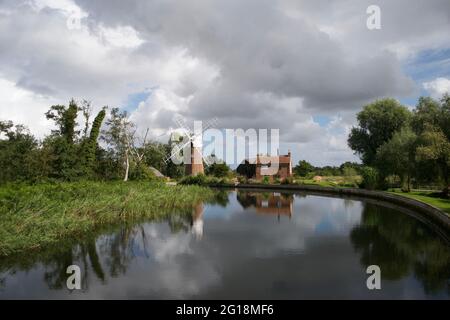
259, 48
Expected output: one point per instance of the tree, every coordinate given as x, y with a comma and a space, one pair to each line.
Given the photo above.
86, 109
65, 120
327, 171
427, 111
431, 112
431, 122
117, 135
120, 135
90, 144
445, 115
16, 153
217, 168
370, 178
434, 146
355, 167
397, 156
137, 153
303, 168
155, 155
172, 169
377, 123
67, 162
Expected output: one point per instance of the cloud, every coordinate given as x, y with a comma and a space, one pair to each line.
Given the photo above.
253, 64
437, 87
31, 106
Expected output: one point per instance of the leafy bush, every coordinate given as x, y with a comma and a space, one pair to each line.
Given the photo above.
288, 180
226, 181
214, 181
219, 170
370, 178
142, 172
242, 179
203, 180
199, 180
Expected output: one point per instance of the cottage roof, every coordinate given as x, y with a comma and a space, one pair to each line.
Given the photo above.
283, 159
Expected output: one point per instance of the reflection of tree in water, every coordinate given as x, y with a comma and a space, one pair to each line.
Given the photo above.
86, 252
246, 199
348, 203
220, 198
118, 250
95, 261
400, 244
179, 223
55, 272
110, 255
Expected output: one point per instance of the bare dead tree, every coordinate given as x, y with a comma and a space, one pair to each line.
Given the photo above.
132, 151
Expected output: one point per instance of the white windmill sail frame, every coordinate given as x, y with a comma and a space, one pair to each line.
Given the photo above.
191, 137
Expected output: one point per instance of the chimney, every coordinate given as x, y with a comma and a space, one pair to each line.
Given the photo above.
290, 163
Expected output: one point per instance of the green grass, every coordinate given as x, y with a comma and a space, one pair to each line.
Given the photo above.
426, 196
32, 217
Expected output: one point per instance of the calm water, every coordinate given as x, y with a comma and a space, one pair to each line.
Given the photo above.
247, 245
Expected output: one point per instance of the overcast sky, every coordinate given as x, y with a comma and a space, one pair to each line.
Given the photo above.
305, 67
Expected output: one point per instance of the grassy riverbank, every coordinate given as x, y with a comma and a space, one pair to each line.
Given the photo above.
32, 217
427, 197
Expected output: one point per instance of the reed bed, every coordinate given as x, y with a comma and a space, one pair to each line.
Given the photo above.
32, 217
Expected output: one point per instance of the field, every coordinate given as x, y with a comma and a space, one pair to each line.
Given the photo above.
32, 217
332, 181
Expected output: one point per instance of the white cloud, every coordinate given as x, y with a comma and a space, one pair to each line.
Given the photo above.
257, 64
159, 110
437, 87
121, 36
68, 6
32, 107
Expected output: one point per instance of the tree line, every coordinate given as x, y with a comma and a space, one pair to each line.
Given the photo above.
306, 169
104, 147
395, 144
412, 146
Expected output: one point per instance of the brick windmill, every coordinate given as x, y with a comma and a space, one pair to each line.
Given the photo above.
189, 144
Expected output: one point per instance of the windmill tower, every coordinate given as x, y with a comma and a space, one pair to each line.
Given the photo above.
190, 145
194, 165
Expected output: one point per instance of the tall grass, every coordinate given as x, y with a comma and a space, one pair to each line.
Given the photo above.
32, 217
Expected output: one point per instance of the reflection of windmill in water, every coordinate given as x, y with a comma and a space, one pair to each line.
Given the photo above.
188, 145
192, 223
197, 220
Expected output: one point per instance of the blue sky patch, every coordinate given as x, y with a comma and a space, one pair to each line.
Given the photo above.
133, 99
323, 121
429, 65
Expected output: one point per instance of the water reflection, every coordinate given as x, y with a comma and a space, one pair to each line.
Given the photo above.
401, 247
274, 203
233, 248
197, 221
